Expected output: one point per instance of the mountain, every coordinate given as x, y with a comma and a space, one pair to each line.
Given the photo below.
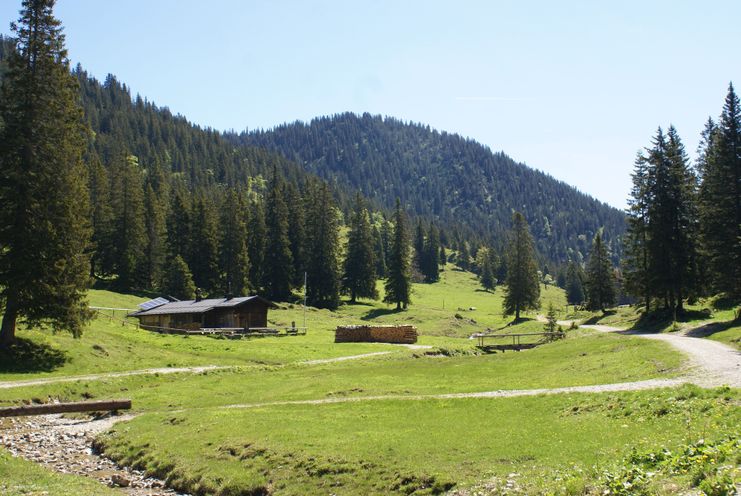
455, 181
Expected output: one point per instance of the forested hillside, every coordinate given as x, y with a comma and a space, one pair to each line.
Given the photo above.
443, 176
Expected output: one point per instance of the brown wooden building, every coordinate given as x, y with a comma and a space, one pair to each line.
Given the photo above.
244, 313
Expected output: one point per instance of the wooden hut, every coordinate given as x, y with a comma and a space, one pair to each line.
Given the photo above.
213, 313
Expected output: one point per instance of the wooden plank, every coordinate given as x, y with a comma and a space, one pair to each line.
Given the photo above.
81, 406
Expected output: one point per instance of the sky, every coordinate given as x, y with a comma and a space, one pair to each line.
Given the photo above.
573, 88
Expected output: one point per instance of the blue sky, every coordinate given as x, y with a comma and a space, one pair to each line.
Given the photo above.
571, 88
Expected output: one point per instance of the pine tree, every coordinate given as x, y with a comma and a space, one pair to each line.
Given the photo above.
551, 324
204, 249
574, 284
379, 252
233, 256
178, 281
278, 263
322, 237
156, 248
44, 219
600, 277
256, 234
398, 281
127, 199
636, 263
487, 275
179, 226
720, 204
296, 234
431, 256
463, 260
523, 288
359, 278
419, 245
443, 257
101, 218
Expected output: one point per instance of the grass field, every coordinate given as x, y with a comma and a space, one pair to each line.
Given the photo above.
562, 444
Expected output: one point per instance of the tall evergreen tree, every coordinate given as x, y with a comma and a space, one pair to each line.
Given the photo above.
600, 277
322, 235
179, 226
523, 287
296, 234
379, 252
398, 281
233, 256
256, 234
574, 284
156, 248
720, 204
359, 278
127, 199
636, 263
204, 250
278, 263
101, 218
178, 281
431, 256
488, 281
44, 219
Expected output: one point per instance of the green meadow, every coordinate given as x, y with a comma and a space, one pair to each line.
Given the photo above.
273, 421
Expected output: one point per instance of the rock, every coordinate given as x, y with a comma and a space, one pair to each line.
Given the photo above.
120, 481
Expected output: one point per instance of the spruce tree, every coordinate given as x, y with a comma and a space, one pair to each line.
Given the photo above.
487, 278
322, 236
398, 281
44, 219
277, 272
359, 278
233, 256
720, 205
523, 287
379, 252
127, 199
204, 249
179, 225
178, 281
636, 263
256, 234
600, 277
101, 218
431, 256
296, 234
574, 284
156, 247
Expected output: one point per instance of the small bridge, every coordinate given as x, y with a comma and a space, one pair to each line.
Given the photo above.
516, 343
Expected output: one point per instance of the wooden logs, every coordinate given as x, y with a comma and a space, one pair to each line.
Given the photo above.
82, 406
402, 334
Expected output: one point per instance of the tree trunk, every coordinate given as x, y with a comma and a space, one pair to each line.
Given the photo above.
7, 331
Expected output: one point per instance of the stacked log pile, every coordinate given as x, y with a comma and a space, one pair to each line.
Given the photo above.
400, 334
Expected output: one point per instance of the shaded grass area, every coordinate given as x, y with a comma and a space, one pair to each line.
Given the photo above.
414, 447
19, 477
584, 358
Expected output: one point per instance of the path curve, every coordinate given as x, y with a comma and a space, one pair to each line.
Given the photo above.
165, 370
713, 363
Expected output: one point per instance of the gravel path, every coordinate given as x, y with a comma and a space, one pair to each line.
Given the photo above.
712, 363
176, 370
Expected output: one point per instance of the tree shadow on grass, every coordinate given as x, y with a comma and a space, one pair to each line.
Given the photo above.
712, 328
379, 312
27, 356
597, 318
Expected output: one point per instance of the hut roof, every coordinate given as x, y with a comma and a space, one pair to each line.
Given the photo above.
199, 306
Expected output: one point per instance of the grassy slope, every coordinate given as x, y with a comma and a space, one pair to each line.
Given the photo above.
378, 447
404, 444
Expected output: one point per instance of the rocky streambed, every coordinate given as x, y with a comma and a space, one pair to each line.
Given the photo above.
65, 445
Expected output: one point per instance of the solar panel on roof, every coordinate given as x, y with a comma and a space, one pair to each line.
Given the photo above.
157, 302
